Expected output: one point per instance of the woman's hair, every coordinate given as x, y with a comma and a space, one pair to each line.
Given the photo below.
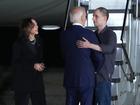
26, 25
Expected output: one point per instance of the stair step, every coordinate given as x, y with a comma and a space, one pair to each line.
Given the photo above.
119, 62
116, 80
114, 98
120, 45
113, 28
113, 11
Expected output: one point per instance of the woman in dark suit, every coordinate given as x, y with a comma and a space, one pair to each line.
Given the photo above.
28, 65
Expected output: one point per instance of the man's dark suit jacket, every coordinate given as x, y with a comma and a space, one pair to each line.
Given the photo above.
79, 68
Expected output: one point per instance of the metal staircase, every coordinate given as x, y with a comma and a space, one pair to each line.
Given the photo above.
119, 18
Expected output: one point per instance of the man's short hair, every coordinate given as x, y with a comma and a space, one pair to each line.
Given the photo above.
104, 11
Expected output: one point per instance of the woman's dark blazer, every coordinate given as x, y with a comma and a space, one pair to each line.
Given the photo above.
26, 78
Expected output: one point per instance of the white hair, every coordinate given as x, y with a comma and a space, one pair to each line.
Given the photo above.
76, 16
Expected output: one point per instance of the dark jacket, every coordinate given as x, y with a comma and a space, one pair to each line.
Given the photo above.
25, 55
79, 69
108, 43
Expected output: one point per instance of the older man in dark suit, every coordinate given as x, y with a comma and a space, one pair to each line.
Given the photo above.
79, 74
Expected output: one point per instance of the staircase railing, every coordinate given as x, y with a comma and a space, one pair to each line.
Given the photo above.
132, 76
67, 14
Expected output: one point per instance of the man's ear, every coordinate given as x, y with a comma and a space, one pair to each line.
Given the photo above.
82, 18
105, 18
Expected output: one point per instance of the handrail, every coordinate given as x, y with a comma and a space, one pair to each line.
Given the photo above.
124, 20
67, 14
132, 76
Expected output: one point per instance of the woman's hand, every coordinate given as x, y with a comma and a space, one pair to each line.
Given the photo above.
39, 66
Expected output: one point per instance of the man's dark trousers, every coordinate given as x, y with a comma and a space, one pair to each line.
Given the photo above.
103, 93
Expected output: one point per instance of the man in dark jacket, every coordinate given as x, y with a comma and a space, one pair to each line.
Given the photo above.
79, 69
107, 46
